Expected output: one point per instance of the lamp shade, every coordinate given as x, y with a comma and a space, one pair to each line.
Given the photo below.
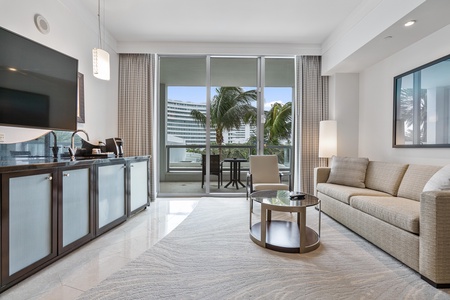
100, 60
327, 138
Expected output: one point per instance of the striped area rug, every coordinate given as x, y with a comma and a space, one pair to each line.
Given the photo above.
210, 256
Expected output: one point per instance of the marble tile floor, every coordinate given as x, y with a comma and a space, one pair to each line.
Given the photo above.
196, 188
84, 268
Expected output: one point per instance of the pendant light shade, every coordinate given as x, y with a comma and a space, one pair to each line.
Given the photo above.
100, 59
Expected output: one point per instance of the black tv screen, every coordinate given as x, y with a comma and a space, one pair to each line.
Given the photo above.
38, 85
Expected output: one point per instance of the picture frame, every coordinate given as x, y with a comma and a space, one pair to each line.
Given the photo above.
422, 106
80, 96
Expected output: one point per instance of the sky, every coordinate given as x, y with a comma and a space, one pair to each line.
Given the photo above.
198, 94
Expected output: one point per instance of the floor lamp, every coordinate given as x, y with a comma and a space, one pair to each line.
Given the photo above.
327, 139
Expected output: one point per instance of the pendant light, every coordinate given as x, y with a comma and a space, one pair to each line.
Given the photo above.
100, 57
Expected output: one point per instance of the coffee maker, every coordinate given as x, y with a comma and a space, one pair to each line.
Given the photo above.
115, 145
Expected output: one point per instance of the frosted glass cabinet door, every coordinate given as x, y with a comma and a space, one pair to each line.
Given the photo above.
138, 184
75, 205
111, 193
30, 220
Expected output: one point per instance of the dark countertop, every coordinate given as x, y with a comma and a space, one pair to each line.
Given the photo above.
37, 162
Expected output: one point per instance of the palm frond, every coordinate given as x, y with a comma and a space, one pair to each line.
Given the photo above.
198, 117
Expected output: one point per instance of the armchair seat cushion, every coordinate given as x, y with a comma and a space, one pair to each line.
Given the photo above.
270, 186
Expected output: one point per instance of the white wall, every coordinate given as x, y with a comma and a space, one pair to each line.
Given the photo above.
376, 102
73, 31
344, 104
219, 48
367, 21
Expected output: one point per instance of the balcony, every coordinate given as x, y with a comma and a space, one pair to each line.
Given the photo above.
182, 172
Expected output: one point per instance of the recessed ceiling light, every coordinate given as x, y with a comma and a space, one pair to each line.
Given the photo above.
410, 23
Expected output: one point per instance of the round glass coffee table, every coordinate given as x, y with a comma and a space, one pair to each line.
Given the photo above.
281, 235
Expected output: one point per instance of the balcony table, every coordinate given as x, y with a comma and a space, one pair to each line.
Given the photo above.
235, 171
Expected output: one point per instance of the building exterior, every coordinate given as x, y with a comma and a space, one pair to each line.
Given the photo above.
180, 124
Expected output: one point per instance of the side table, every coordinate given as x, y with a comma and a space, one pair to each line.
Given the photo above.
280, 235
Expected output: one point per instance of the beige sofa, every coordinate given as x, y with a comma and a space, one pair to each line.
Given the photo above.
385, 203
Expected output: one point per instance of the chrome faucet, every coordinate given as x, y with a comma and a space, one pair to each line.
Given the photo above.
55, 147
72, 149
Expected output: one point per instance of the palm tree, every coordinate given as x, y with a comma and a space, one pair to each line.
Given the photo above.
230, 107
419, 125
278, 123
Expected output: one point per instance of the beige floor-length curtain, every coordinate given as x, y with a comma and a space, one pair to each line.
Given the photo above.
136, 90
312, 99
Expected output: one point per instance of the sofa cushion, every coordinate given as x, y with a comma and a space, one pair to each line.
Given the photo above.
400, 212
439, 181
385, 176
350, 171
344, 193
414, 180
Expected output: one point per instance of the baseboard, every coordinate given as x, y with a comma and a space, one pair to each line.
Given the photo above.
436, 285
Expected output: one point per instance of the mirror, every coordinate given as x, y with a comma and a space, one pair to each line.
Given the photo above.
422, 106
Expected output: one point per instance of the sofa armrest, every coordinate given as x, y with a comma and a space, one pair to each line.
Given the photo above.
320, 176
434, 249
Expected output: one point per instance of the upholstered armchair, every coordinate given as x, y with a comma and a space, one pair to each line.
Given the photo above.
264, 174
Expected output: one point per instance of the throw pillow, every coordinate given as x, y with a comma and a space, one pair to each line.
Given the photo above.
350, 171
439, 181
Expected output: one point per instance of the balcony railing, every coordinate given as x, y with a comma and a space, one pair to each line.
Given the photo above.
188, 158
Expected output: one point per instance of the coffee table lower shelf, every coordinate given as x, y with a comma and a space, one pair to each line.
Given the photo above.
284, 236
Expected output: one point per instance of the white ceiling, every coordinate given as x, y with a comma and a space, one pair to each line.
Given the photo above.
431, 16
308, 24
237, 21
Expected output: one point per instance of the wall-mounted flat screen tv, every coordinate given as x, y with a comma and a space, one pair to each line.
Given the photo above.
38, 85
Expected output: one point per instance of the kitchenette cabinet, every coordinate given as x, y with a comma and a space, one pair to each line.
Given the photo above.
52, 207
76, 216
111, 198
29, 222
138, 185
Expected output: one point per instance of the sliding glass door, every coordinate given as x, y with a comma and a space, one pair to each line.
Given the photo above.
182, 89
278, 95
234, 98
214, 113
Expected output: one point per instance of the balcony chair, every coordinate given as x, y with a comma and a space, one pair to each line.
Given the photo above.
214, 169
264, 175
